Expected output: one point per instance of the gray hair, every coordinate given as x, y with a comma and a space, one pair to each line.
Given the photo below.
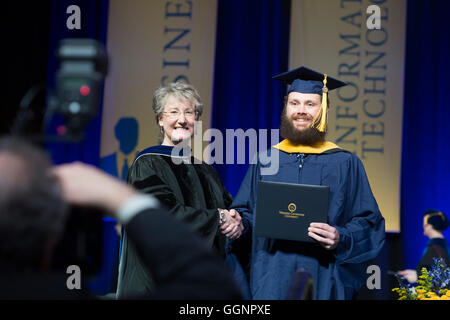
179, 90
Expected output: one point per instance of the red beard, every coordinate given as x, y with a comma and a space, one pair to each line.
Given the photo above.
306, 137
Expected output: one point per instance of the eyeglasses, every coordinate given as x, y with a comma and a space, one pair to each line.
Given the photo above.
175, 114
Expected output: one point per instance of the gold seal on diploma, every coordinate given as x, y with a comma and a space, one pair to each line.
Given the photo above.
292, 207
291, 214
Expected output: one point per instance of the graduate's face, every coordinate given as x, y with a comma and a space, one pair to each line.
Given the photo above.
302, 108
177, 120
427, 228
297, 117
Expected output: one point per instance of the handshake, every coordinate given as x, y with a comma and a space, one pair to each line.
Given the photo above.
85, 185
231, 223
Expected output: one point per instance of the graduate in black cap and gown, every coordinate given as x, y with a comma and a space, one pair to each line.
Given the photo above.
354, 233
434, 222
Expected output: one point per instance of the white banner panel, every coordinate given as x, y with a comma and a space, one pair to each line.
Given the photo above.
335, 37
152, 43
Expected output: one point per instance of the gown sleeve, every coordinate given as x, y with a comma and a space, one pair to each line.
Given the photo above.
239, 250
186, 268
245, 200
363, 234
143, 176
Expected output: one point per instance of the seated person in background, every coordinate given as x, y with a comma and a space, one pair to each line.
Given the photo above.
33, 208
434, 222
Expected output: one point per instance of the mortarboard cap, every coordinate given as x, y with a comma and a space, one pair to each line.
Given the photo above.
305, 80
436, 218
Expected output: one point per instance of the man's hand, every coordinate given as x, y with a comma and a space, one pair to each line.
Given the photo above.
84, 184
408, 274
326, 235
232, 227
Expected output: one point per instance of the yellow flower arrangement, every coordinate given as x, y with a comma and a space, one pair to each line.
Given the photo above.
431, 285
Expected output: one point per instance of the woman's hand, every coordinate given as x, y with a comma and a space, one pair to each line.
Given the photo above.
231, 223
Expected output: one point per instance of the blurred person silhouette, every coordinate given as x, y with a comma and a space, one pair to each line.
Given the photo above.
32, 218
434, 223
117, 163
34, 199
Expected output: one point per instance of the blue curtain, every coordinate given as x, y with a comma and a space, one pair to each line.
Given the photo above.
94, 15
426, 130
252, 46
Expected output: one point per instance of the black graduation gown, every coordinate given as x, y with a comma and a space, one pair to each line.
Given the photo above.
185, 269
436, 248
192, 193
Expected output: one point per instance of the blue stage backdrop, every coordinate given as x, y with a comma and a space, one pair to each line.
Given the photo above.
426, 131
252, 46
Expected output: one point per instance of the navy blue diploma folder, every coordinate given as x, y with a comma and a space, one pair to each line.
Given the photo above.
285, 210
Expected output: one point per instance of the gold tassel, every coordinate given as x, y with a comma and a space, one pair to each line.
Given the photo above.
321, 124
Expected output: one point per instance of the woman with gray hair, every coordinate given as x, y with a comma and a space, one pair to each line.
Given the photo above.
190, 189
